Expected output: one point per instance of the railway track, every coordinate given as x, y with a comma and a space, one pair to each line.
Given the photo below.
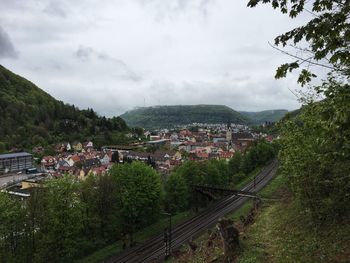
152, 250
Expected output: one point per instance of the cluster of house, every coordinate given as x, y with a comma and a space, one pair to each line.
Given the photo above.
78, 159
169, 149
164, 150
86, 160
208, 142
214, 141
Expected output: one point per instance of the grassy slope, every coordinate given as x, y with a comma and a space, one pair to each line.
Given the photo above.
280, 234
283, 234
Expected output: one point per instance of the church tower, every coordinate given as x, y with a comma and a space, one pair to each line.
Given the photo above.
229, 134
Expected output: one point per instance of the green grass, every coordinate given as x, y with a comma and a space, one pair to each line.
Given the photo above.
266, 193
282, 233
242, 211
140, 236
273, 188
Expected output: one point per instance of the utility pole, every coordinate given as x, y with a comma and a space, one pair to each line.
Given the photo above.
166, 243
168, 237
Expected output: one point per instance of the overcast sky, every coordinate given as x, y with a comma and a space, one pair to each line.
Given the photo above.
116, 55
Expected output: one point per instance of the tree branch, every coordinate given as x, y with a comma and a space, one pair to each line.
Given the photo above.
300, 58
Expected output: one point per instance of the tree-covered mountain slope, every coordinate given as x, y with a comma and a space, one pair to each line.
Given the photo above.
31, 117
261, 117
169, 116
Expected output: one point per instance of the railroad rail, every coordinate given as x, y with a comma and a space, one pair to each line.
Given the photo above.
153, 249
210, 189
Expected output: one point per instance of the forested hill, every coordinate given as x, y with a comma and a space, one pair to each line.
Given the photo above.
168, 116
261, 117
31, 117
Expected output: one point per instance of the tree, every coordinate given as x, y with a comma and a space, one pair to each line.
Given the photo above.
327, 35
247, 164
214, 172
190, 172
88, 193
139, 131
30, 117
35, 212
140, 194
60, 231
11, 229
107, 202
176, 193
2, 147
315, 155
99, 196
235, 163
315, 143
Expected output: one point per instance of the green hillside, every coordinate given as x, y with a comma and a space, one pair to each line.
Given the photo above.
168, 116
261, 117
31, 117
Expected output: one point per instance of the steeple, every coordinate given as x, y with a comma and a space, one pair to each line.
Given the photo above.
229, 134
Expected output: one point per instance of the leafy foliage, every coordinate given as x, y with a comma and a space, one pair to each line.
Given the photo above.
60, 227
140, 194
30, 117
11, 226
169, 116
327, 34
66, 219
179, 194
316, 153
315, 144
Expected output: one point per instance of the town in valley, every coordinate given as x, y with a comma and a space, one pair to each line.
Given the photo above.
163, 149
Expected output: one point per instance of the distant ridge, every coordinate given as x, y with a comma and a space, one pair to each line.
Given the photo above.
169, 116
261, 117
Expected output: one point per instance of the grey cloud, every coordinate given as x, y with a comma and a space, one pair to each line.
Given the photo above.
84, 53
121, 69
104, 102
170, 9
56, 8
231, 77
11, 4
239, 95
204, 6
7, 49
149, 51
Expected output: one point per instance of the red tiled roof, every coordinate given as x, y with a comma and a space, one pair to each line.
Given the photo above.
226, 154
76, 158
202, 155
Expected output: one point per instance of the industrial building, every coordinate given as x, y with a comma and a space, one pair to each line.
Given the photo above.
13, 162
